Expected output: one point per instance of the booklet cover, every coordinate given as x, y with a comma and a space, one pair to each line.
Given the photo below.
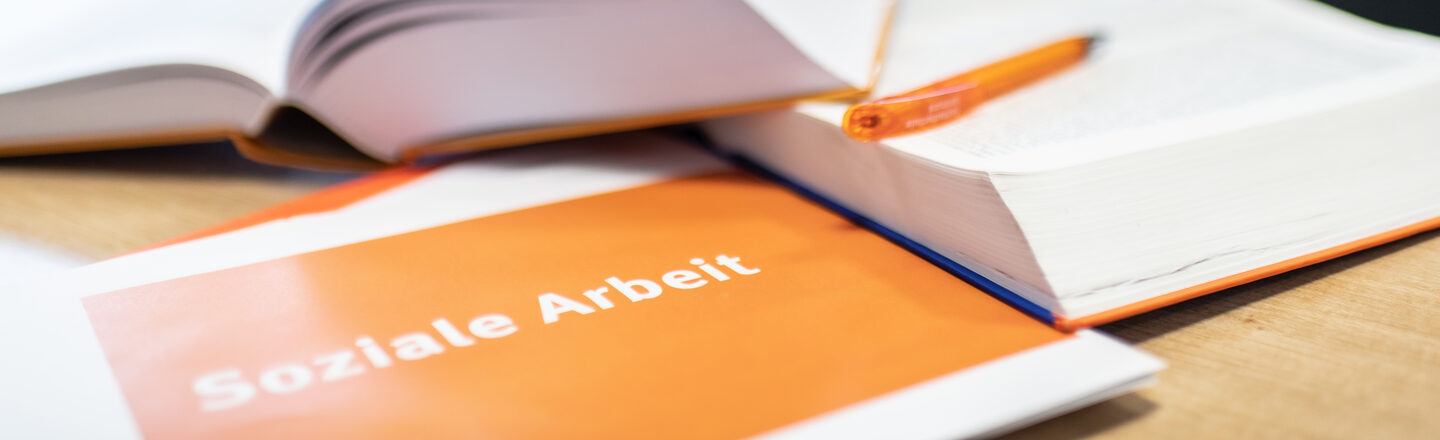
651, 292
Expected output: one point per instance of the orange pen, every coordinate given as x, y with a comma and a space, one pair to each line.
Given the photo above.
945, 101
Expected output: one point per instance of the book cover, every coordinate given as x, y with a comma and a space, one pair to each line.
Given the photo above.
687, 300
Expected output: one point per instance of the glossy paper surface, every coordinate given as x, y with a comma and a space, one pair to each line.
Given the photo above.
731, 308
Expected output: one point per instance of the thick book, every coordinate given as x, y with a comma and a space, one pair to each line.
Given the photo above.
619, 287
1203, 145
342, 83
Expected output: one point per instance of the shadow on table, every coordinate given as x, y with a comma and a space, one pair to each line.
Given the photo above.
213, 159
1159, 322
1109, 414
1088, 421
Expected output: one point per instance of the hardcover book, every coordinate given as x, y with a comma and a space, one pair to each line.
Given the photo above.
1203, 145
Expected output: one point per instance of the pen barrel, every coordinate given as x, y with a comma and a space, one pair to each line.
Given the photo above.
939, 103
1012, 73
909, 114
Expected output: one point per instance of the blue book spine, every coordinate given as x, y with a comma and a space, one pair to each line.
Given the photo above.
984, 284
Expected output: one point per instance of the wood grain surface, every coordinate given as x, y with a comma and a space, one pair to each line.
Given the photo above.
1345, 349
102, 204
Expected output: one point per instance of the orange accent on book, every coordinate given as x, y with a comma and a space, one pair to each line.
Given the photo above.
1245, 277
259, 151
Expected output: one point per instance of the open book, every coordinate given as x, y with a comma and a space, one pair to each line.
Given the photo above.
628, 286
348, 82
1206, 144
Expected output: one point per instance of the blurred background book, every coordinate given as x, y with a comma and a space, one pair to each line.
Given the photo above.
346, 84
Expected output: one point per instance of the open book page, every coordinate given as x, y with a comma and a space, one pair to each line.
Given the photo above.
841, 36
433, 72
1161, 64
51, 41
82, 75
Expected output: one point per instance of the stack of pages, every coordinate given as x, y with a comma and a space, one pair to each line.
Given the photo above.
622, 287
1205, 144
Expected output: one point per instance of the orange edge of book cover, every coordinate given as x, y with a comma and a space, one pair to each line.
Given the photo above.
1256, 274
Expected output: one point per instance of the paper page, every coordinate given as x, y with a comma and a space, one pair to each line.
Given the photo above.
577, 64
21, 259
50, 41
843, 37
1160, 62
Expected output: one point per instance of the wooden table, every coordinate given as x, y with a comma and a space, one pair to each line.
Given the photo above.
1345, 349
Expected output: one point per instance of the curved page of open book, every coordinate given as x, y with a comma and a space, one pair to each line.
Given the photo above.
628, 286
401, 80
86, 74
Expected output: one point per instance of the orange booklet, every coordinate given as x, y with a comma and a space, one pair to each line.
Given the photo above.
621, 287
